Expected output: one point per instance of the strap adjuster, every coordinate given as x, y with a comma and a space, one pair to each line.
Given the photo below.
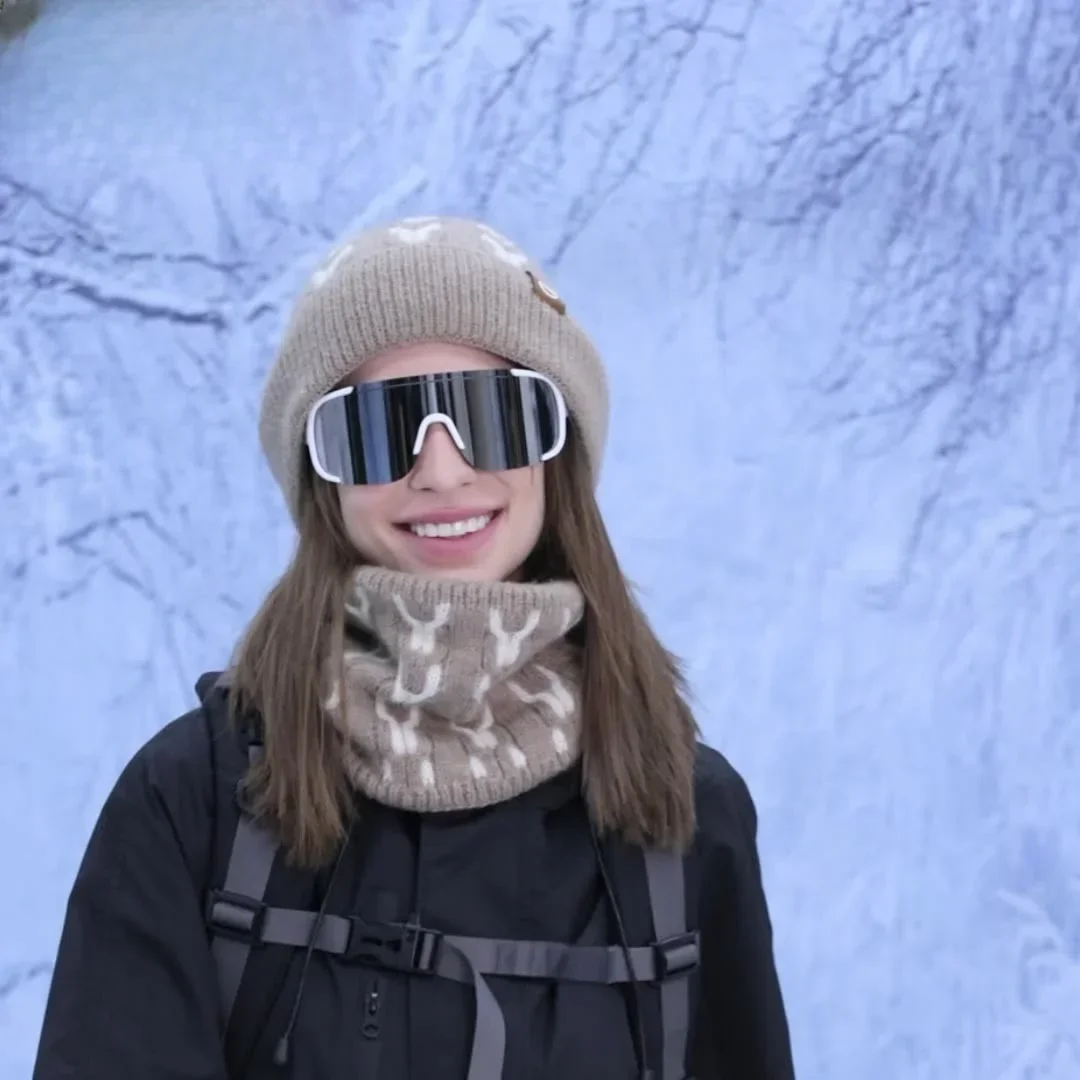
677, 955
394, 946
234, 916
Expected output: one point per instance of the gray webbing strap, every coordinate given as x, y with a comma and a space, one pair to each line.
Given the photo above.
563, 963
667, 895
489, 1030
250, 863
251, 860
485, 956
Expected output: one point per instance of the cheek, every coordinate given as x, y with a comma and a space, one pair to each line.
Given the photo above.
362, 510
528, 491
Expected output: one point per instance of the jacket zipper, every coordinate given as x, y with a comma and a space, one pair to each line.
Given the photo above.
371, 1030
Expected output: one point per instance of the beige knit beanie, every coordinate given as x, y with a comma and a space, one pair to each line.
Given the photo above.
424, 279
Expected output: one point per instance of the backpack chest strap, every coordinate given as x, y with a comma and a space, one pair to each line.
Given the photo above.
417, 950
239, 921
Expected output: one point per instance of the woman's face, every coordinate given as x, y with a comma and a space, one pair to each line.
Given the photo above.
503, 511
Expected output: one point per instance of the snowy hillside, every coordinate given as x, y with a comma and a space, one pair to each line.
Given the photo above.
827, 252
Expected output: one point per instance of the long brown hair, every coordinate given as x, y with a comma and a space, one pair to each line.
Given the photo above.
639, 735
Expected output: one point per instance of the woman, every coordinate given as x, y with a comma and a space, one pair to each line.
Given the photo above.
446, 815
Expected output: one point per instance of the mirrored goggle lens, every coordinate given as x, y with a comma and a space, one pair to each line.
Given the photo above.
371, 433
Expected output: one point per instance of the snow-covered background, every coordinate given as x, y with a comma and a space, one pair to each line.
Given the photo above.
827, 249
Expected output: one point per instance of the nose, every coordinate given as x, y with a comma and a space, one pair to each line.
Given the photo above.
439, 465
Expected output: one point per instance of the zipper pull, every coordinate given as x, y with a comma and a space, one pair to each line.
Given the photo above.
372, 1001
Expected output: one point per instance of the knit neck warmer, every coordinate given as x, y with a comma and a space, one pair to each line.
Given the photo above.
457, 694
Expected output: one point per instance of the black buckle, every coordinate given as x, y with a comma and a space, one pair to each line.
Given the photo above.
394, 946
676, 955
234, 916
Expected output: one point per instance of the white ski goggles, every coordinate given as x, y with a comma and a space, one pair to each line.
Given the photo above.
372, 433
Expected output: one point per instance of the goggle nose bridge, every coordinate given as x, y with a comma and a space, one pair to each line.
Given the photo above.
437, 418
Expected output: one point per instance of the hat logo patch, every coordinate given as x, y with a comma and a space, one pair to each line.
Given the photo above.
547, 293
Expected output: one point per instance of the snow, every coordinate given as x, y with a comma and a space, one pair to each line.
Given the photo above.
840, 321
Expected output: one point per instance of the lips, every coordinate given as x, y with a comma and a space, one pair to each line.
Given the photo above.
449, 516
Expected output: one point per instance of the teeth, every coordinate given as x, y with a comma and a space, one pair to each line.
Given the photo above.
452, 528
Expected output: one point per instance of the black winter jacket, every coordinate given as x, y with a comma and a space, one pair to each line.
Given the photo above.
134, 994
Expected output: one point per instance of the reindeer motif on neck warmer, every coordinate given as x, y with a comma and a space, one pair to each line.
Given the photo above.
472, 696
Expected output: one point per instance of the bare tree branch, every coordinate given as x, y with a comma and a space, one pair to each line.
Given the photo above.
19, 976
938, 145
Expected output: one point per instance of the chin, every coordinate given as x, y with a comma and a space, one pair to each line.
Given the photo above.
480, 570
463, 573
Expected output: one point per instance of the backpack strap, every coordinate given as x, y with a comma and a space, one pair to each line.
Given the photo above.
239, 920
665, 873
233, 911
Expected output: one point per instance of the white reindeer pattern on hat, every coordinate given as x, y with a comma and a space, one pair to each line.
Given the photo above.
420, 230
330, 266
415, 230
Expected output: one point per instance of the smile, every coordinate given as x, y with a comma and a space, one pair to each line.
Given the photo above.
450, 529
